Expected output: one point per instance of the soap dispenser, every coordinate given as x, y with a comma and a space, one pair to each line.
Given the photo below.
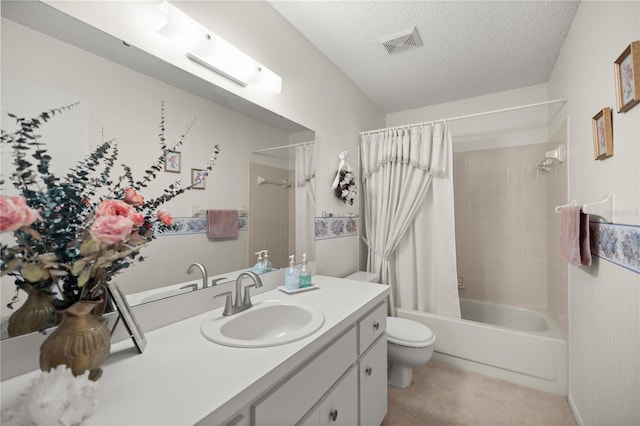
292, 275
305, 273
268, 266
259, 267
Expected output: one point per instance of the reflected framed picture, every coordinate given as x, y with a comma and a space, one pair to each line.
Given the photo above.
602, 134
172, 161
125, 314
627, 72
197, 178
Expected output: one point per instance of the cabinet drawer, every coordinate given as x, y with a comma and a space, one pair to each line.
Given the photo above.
371, 326
372, 371
290, 401
340, 405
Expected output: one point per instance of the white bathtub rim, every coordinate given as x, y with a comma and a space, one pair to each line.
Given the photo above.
553, 333
536, 314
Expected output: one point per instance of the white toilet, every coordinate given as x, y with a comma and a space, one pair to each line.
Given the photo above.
409, 343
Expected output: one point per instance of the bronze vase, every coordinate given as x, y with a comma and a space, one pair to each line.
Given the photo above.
34, 314
82, 341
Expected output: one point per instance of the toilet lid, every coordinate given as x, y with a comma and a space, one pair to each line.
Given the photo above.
406, 332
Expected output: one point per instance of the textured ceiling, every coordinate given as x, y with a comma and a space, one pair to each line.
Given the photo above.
470, 48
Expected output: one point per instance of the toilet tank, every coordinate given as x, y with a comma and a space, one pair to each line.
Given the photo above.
364, 276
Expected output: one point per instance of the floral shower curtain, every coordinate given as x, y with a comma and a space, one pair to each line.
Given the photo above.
409, 218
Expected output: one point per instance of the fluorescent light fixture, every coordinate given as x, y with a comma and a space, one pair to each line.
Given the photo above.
212, 51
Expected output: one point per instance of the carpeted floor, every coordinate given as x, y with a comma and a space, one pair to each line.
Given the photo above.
443, 395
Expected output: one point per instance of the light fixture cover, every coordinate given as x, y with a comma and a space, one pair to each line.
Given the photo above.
212, 51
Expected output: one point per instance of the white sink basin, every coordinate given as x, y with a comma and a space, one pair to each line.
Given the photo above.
267, 323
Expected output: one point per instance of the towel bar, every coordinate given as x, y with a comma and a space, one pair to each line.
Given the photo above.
602, 208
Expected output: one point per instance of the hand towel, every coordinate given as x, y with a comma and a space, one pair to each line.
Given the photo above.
222, 224
574, 236
585, 243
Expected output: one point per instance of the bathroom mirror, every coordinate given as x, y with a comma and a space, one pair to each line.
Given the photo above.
254, 128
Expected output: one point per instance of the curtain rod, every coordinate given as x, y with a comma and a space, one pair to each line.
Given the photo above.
462, 117
257, 151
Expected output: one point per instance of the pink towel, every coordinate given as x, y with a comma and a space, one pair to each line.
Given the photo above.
574, 236
222, 224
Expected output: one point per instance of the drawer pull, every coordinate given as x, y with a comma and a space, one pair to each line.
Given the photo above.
368, 371
376, 325
333, 415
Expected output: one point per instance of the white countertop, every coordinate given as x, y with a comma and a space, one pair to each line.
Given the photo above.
182, 377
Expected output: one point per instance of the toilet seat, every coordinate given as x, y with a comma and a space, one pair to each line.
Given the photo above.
409, 333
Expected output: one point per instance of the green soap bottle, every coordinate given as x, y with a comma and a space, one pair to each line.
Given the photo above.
305, 273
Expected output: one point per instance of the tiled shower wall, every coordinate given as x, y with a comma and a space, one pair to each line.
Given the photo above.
271, 218
501, 225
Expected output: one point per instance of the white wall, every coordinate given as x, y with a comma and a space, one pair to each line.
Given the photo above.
127, 105
604, 299
523, 127
315, 92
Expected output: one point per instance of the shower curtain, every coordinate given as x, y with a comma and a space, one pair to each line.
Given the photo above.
409, 218
305, 199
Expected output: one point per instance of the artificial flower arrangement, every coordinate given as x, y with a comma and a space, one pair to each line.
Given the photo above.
344, 184
74, 233
346, 188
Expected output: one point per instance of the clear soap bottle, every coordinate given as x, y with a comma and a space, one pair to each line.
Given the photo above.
305, 273
268, 266
258, 268
292, 275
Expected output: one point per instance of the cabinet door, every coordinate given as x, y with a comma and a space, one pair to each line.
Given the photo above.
340, 407
372, 370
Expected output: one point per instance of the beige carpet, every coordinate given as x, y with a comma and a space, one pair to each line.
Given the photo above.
443, 395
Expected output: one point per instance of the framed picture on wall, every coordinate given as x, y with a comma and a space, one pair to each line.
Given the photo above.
627, 71
602, 134
197, 178
172, 161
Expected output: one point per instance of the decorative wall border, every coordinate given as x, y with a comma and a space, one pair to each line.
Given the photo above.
335, 227
619, 244
197, 225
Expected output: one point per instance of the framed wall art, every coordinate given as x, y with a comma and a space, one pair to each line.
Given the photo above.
172, 161
197, 178
602, 134
627, 71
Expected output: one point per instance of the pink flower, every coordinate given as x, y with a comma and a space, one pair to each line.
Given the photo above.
111, 229
114, 208
165, 217
133, 198
15, 214
137, 218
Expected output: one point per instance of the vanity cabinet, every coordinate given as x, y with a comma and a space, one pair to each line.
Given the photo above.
372, 366
344, 384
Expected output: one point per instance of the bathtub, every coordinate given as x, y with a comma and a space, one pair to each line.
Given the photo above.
518, 345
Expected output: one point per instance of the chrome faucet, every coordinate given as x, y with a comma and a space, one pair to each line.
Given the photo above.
241, 303
203, 271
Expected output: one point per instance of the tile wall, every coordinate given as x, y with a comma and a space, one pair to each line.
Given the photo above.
271, 214
501, 225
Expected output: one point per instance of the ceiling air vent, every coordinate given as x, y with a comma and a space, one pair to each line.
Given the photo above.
401, 41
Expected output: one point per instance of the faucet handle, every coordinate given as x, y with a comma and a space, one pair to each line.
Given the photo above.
193, 286
246, 298
228, 304
215, 281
